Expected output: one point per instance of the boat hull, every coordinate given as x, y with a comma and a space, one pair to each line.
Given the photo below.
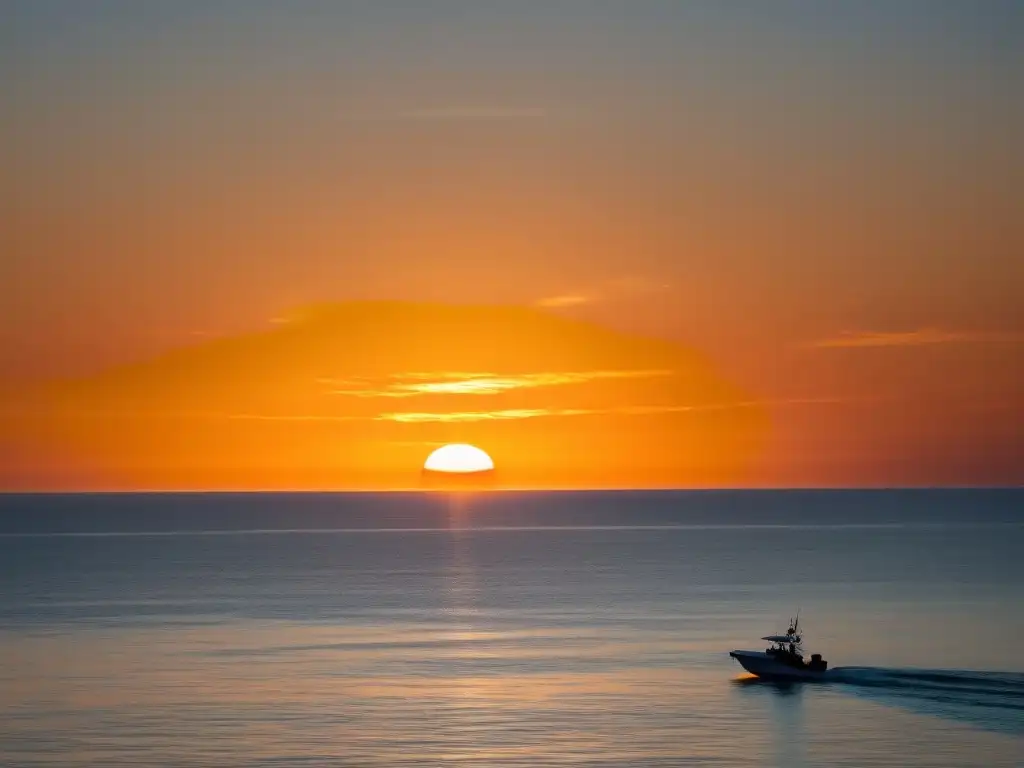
761, 664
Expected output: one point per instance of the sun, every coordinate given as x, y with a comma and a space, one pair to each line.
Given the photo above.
459, 458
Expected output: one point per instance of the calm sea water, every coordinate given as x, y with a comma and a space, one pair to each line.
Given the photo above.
584, 629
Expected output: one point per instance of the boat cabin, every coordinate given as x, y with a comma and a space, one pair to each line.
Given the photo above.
786, 649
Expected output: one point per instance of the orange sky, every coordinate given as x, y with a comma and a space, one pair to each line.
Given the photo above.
808, 223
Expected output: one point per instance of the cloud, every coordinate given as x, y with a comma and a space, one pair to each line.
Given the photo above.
568, 300
608, 290
459, 383
534, 413
458, 416
922, 337
626, 410
412, 417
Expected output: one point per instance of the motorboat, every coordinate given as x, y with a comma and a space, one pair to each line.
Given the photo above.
784, 658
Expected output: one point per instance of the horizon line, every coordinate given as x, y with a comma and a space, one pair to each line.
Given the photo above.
488, 491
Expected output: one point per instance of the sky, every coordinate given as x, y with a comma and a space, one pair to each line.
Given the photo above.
819, 201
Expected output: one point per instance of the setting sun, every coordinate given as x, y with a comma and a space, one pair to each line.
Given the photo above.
459, 458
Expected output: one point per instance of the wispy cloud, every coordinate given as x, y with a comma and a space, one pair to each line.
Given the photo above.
625, 410
916, 338
567, 300
415, 384
534, 413
412, 417
607, 290
460, 416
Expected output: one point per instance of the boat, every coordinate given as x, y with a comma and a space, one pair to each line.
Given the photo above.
784, 658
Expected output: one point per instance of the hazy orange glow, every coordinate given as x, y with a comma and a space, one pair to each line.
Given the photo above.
354, 395
568, 404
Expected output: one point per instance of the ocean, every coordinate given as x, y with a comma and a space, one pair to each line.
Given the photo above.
509, 629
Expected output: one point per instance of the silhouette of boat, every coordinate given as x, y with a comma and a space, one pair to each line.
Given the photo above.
783, 659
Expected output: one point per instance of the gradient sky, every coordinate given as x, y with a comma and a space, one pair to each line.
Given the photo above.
824, 199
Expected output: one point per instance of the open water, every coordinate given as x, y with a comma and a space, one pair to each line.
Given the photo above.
560, 629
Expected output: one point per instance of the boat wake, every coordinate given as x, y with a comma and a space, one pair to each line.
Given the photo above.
991, 700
